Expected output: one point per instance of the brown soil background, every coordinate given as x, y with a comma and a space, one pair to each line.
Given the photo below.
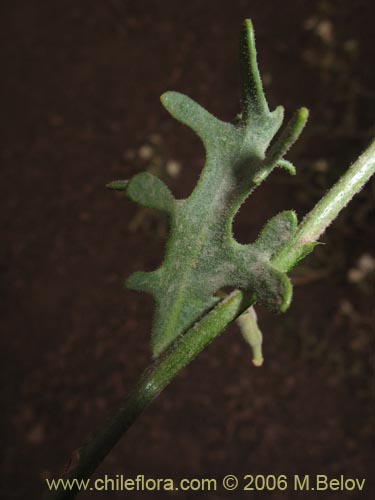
81, 84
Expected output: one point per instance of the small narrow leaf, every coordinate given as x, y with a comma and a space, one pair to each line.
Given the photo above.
252, 96
287, 137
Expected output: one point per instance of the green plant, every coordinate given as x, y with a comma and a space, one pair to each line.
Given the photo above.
202, 257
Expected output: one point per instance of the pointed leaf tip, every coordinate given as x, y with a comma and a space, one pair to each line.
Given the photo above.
117, 185
252, 96
296, 124
164, 98
142, 281
248, 31
190, 113
287, 165
304, 111
248, 23
302, 116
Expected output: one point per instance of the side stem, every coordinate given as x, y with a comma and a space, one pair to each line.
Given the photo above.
327, 209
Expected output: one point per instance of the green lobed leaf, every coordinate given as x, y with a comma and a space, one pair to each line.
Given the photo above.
202, 255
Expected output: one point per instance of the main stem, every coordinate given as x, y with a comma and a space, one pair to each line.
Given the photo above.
151, 383
186, 347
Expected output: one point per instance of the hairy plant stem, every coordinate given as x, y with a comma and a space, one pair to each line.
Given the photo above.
327, 209
183, 350
186, 347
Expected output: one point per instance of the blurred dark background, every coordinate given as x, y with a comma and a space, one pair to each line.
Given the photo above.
81, 83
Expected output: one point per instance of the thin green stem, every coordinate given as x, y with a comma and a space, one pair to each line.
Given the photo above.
186, 347
327, 209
